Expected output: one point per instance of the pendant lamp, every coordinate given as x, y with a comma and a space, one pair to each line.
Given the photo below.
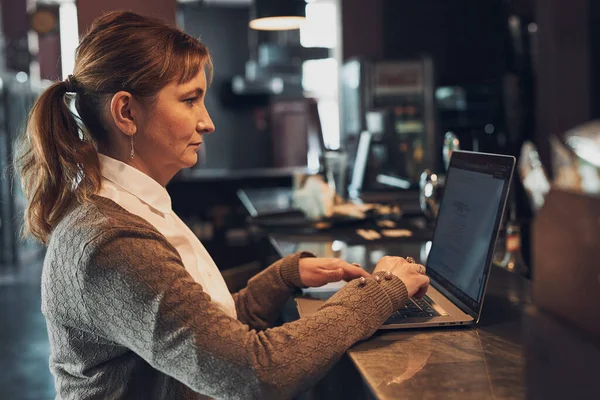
277, 15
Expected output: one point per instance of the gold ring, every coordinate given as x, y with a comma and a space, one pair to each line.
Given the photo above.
410, 260
420, 269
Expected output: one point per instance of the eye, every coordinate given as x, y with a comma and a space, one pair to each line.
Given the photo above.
191, 101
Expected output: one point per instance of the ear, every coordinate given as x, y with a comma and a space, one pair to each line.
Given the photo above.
121, 110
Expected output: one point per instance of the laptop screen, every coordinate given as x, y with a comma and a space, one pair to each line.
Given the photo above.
467, 224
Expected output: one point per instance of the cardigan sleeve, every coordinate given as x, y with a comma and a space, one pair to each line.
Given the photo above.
261, 301
136, 292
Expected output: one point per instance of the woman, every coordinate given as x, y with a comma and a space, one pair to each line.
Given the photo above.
135, 306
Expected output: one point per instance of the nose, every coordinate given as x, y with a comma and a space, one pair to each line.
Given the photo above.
205, 124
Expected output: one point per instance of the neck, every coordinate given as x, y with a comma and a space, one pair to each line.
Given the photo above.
160, 175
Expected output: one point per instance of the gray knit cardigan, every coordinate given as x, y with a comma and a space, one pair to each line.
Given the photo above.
126, 321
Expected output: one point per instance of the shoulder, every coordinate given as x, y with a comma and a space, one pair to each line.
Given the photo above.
94, 218
88, 227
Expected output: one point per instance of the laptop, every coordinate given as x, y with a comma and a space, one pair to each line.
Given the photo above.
462, 247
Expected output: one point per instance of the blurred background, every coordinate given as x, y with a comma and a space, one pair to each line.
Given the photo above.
374, 93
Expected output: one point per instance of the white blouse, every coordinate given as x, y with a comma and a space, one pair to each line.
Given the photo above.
141, 195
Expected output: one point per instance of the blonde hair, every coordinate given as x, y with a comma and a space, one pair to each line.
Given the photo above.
57, 160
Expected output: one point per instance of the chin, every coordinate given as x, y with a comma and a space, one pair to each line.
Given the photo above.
189, 160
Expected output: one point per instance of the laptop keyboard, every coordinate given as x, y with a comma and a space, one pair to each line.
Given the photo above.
414, 308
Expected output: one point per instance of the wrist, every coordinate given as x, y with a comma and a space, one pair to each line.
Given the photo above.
393, 287
290, 269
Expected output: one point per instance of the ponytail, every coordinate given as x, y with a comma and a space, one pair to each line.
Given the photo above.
58, 167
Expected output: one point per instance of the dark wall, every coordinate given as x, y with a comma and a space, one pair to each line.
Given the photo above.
362, 33
594, 27
236, 143
14, 24
564, 84
464, 37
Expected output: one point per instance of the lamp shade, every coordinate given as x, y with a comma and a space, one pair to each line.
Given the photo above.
277, 15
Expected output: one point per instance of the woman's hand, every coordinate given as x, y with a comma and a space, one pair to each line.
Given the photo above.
315, 272
413, 275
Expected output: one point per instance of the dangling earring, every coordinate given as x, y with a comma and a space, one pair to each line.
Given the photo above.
132, 154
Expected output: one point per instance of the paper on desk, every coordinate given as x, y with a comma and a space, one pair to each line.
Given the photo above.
352, 210
368, 234
396, 233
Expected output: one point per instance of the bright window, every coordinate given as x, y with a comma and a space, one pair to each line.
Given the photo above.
69, 36
319, 30
320, 77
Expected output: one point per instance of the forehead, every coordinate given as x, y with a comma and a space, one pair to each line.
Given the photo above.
197, 82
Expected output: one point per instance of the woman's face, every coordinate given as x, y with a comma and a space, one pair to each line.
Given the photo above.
170, 131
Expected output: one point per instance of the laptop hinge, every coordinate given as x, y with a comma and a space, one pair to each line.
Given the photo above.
463, 307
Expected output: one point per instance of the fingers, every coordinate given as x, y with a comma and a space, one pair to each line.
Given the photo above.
316, 272
334, 275
348, 271
423, 286
420, 268
353, 271
421, 292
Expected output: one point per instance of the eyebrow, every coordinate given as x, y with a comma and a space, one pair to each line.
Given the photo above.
197, 91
